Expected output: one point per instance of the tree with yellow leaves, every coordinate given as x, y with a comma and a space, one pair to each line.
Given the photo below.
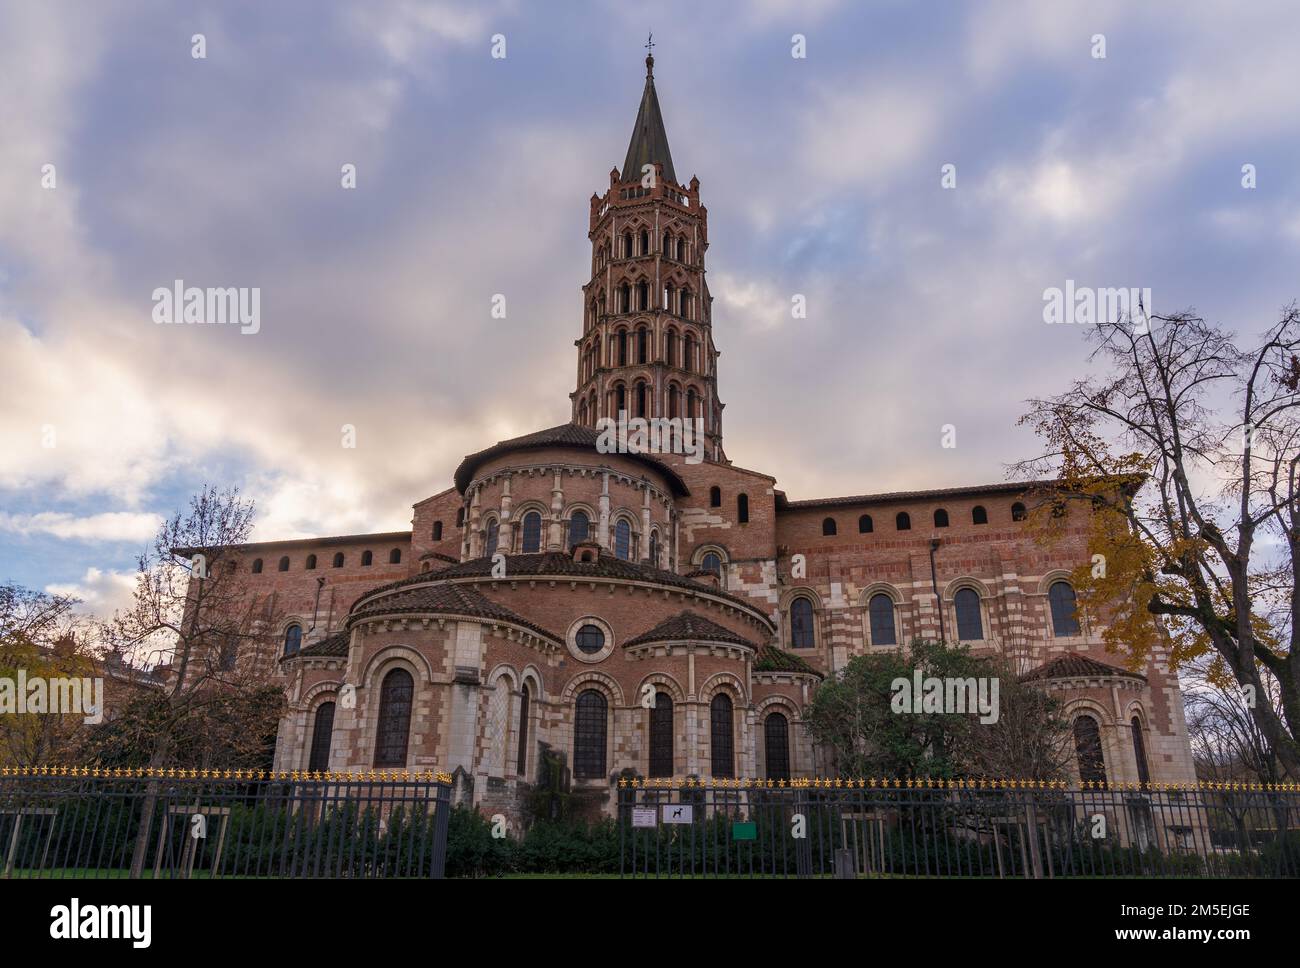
1186, 447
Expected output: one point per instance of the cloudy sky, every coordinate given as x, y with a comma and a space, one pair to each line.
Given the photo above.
822, 176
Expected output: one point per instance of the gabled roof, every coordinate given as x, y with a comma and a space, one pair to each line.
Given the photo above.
335, 645
449, 600
687, 625
565, 435
649, 142
1072, 665
772, 659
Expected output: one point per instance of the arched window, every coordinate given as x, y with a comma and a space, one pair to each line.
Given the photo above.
589, 729
367, 559
688, 357
1018, 512
625, 298
292, 639
394, 727
622, 347
828, 527
670, 348
970, 623
776, 746
654, 548
579, 527
460, 517
668, 244
623, 540
521, 761
338, 559
532, 533
801, 624
643, 295
902, 521
690, 402
395, 556
311, 562
321, 734
640, 399
1087, 747
742, 508
645, 242
627, 245
284, 563
674, 402
620, 398
715, 497
864, 524
881, 611
722, 746
711, 562
257, 566
1140, 750
1063, 603
661, 735
681, 250
493, 537
642, 345
941, 518
978, 515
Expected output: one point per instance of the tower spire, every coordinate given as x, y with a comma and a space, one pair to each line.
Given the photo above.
649, 144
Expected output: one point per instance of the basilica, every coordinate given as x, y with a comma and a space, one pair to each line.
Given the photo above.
564, 612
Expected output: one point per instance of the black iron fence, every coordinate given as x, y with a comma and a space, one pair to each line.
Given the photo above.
841, 828
186, 823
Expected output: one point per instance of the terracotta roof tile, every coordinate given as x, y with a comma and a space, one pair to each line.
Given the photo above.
772, 659
1072, 665
448, 599
687, 625
565, 435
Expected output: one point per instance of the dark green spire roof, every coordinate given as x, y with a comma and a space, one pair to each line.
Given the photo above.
649, 142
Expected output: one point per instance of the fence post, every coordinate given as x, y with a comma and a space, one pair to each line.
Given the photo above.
802, 845
441, 819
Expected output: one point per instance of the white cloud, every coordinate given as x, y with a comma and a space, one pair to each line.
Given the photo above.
108, 526
101, 592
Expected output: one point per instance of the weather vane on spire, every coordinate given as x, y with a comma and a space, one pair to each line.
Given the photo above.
650, 43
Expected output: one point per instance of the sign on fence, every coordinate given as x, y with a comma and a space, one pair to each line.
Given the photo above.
678, 813
644, 817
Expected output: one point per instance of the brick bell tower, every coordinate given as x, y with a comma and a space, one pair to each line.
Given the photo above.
647, 339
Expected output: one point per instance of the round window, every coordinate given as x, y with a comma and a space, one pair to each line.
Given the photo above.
590, 639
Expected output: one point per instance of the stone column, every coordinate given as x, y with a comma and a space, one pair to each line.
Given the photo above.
506, 534
645, 525
555, 534
602, 535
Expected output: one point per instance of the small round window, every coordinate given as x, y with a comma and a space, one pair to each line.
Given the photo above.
590, 639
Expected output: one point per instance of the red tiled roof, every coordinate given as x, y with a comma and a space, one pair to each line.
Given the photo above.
560, 564
772, 659
1015, 487
687, 626
1072, 665
333, 645
448, 599
565, 435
